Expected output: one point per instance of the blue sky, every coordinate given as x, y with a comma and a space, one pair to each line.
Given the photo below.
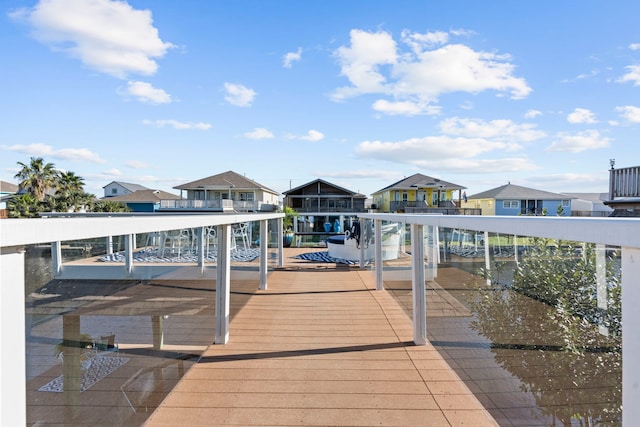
358, 93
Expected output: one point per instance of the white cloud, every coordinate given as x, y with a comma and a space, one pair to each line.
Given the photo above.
239, 95
405, 108
177, 125
418, 42
290, 57
632, 76
113, 172
576, 143
145, 92
312, 135
259, 133
634, 46
444, 153
136, 164
43, 150
503, 130
374, 64
108, 36
532, 114
630, 113
581, 115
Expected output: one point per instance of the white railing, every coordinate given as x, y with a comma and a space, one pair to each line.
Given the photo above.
16, 234
622, 232
215, 205
624, 182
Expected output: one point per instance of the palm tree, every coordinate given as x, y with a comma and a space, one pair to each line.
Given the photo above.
24, 206
69, 191
37, 177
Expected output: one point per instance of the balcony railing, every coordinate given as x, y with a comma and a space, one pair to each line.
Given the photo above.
223, 205
624, 182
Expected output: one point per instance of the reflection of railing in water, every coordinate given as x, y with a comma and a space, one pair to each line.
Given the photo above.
154, 389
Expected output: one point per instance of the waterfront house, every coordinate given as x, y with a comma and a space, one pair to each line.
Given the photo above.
513, 199
418, 194
143, 200
119, 188
624, 191
322, 207
322, 196
227, 191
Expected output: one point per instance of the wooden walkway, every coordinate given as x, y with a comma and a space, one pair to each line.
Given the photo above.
322, 348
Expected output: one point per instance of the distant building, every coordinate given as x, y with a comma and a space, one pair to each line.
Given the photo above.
322, 196
513, 199
589, 204
227, 191
418, 194
119, 188
143, 200
7, 191
624, 191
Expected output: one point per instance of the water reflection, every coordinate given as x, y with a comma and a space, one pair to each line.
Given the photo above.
111, 350
556, 368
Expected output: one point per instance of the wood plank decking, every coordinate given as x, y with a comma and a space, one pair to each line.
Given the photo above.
320, 348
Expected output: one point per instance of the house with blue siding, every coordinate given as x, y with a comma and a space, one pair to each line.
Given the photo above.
146, 200
513, 199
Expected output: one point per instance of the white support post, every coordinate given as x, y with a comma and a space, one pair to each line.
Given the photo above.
601, 283
630, 336
223, 283
280, 242
56, 258
264, 236
487, 258
200, 239
109, 245
378, 254
515, 247
128, 251
13, 364
430, 273
418, 285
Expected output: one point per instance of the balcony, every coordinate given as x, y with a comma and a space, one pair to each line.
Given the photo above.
220, 205
624, 191
446, 208
441, 320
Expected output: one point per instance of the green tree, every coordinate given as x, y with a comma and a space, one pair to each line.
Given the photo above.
24, 206
110, 206
70, 192
37, 177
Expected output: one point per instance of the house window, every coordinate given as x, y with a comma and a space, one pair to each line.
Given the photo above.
511, 204
565, 203
114, 190
246, 197
405, 197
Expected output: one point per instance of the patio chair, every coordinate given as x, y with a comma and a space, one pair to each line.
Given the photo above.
241, 231
211, 239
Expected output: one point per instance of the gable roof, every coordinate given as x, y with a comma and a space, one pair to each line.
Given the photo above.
511, 191
224, 181
128, 186
7, 187
326, 183
147, 195
420, 181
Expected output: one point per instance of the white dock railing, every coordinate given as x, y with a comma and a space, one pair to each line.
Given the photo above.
16, 234
622, 232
